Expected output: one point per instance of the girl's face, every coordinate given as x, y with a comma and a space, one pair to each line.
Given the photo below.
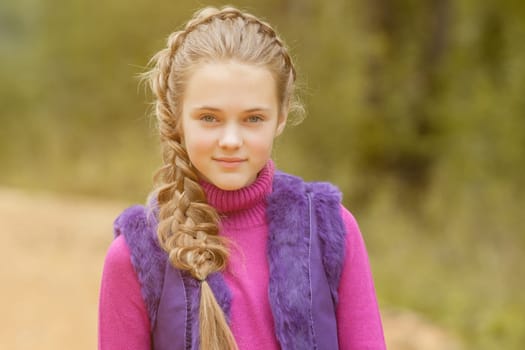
230, 117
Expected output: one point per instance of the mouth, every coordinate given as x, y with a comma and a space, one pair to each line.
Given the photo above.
229, 161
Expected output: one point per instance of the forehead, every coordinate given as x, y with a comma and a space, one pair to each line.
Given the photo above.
230, 85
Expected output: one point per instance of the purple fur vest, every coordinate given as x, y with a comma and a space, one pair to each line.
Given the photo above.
305, 255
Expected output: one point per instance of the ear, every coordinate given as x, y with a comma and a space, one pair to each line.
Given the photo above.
281, 123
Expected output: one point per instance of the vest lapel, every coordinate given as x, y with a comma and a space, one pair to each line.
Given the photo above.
288, 257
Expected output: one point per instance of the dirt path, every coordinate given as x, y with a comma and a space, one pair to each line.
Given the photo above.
52, 251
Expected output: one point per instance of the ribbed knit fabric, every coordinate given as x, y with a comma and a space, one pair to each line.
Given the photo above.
122, 323
243, 207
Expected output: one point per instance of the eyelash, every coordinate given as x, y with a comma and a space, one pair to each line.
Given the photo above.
208, 118
257, 118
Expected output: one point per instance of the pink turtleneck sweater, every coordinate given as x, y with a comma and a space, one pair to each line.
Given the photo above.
123, 318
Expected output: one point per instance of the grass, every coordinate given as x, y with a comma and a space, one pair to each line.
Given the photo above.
459, 260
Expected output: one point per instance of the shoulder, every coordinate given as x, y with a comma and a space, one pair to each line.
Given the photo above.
349, 220
132, 219
287, 183
131, 222
117, 263
136, 248
138, 225
135, 231
355, 243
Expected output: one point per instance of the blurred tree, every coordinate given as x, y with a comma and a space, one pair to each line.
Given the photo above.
412, 38
386, 85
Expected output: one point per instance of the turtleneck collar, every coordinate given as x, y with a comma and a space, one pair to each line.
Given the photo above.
245, 205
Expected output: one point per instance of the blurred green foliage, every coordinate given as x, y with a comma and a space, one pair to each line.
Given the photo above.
415, 109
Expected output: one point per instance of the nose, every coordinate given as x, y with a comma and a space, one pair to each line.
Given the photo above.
231, 137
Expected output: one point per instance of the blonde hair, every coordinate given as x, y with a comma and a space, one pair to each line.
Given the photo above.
188, 225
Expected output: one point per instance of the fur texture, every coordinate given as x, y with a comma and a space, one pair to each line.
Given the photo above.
288, 252
331, 231
288, 256
147, 258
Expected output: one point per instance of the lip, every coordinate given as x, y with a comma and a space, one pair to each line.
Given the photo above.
229, 162
229, 159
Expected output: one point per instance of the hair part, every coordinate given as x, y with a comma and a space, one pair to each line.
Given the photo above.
188, 228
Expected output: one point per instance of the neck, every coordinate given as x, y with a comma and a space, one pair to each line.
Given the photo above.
245, 206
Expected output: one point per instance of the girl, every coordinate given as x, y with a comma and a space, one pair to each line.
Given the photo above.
230, 253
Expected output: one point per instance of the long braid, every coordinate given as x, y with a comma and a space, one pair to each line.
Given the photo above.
188, 225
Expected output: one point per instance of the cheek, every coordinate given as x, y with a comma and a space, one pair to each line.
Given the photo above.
195, 143
197, 146
262, 144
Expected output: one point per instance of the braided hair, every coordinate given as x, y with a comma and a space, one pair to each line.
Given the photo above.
188, 226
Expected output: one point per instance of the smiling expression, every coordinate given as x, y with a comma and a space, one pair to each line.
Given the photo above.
230, 118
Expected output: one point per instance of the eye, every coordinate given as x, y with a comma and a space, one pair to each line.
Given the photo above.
208, 118
254, 119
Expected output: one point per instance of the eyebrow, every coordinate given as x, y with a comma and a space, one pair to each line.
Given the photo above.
250, 110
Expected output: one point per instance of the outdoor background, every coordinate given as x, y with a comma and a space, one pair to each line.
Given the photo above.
415, 109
